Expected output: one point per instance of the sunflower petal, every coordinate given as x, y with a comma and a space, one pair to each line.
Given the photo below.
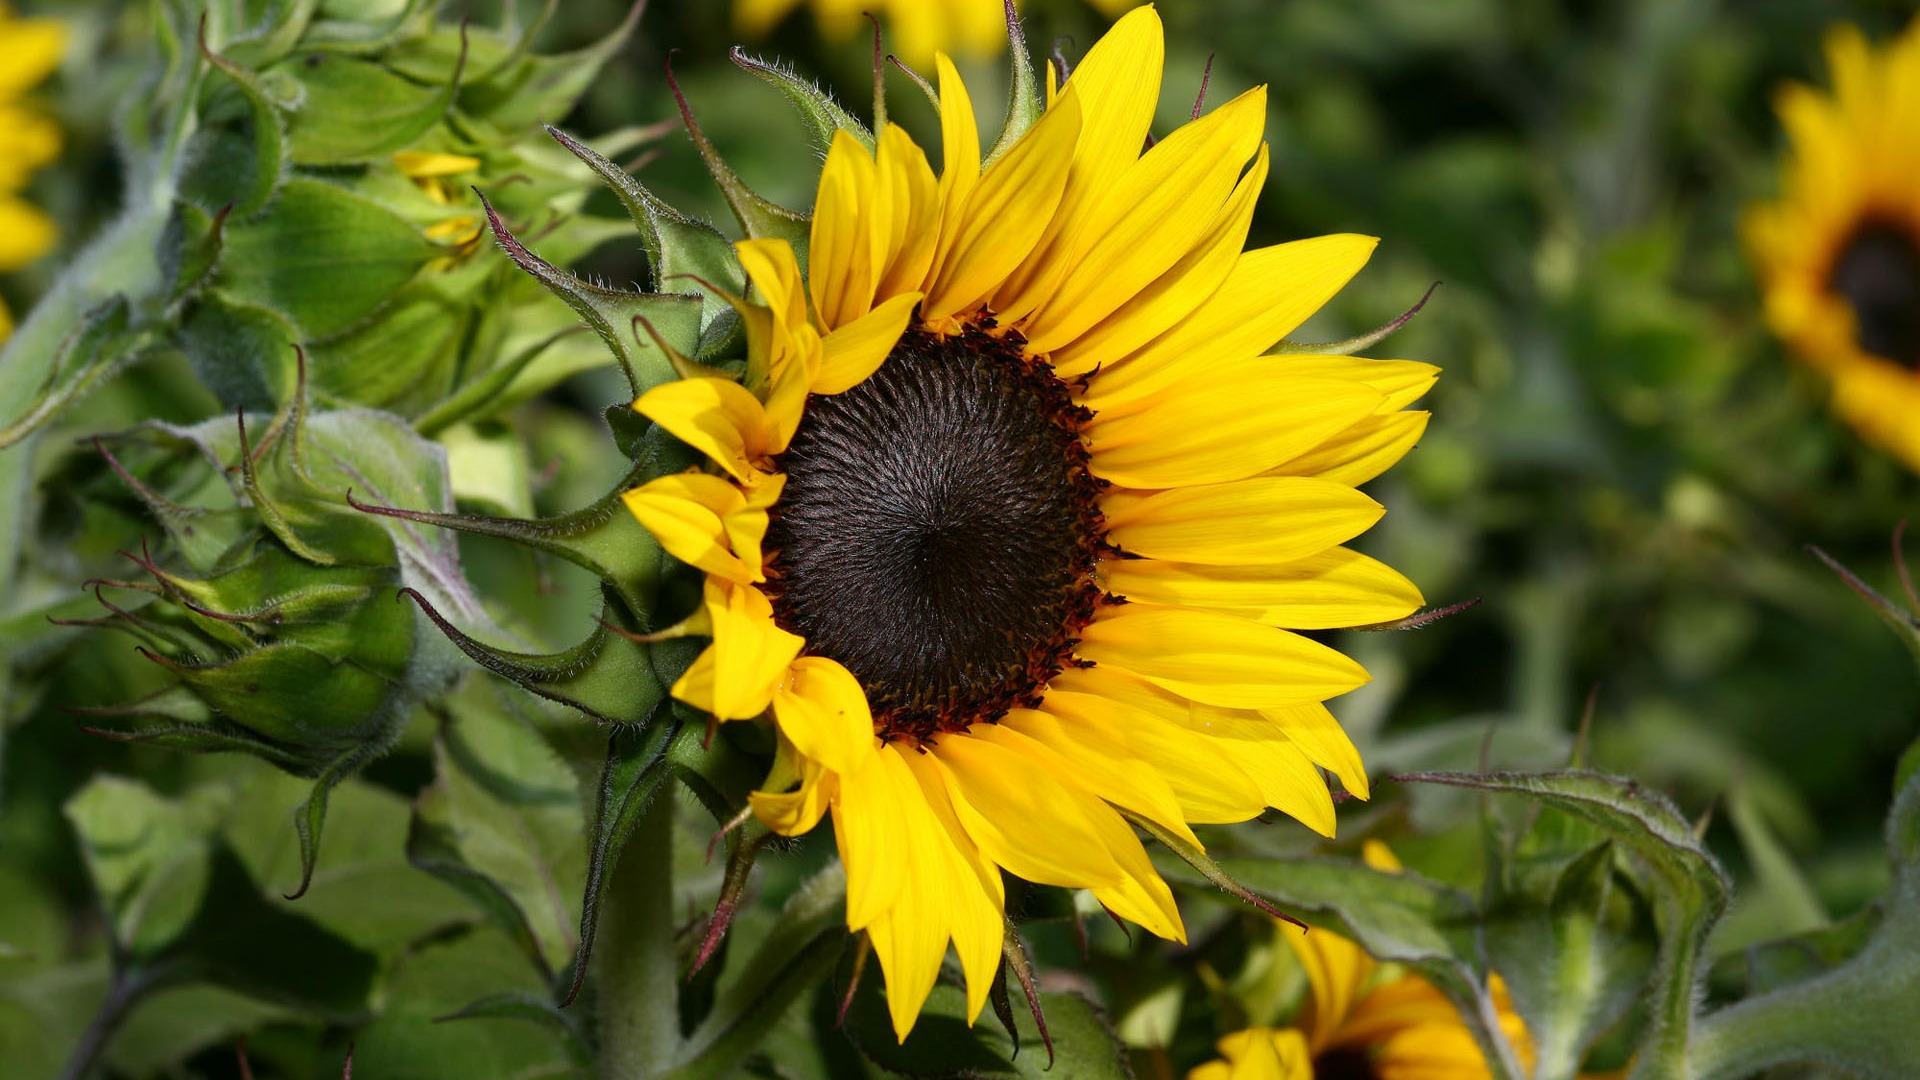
1099, 757
749, 656
1207, 784
791, 813
1361, 452
841, 269
1003, 216
1268, 519
1318, 735
822, 709
1218, 659
717, 417
1336, 587
705, 522
1023, 817
1243, 419
856, 350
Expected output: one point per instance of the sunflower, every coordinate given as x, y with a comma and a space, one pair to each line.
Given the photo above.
919, 28
28, 139
1366, 1021
1008, 511
1839, 254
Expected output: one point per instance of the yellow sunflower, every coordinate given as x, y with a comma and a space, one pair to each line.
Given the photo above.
1365, 1020
1839, 254
917, 29
28, 139
1009, 510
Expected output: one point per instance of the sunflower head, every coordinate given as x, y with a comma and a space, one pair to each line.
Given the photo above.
1010, 518
1839, 253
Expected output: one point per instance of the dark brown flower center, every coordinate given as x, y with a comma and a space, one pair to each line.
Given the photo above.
938, 532
1878, 272
1344, 1063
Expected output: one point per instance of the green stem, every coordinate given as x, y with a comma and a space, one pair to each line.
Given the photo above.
1860, 1018
1664, 1057
638, 966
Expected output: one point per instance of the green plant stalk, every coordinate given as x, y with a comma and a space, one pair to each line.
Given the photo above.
638, 976
1665, 1054
1860, 1018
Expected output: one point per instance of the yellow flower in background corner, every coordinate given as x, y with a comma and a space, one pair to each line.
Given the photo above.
28, 139
1010, 521
1259, 1054
1839, 253
916, 29
1363, 1020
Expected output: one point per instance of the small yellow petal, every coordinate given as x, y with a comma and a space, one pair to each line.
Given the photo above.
717, 417
796, 811
822, 710
841, 267
705, 522
1318, 735
870, 828
748, 659
421, 164
1023, 817
34, 48
1402, 381
913, 202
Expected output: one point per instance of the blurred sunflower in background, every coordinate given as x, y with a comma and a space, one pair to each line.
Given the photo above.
1362, 1018
916, 29
29, 139
1839, 253
1010, 511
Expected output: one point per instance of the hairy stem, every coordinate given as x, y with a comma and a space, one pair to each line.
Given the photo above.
637, 969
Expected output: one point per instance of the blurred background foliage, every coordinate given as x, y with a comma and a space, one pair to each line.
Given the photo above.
1623, 467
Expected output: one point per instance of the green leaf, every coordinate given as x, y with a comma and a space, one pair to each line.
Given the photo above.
943, 1045
322, 256
503, 823
409, 1041
148, 858
521, 94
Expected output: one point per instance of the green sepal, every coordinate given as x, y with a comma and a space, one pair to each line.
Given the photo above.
526, 91
604, 676
190, 250
629, 780
1904, 624
268, 158
822, 114
323, 256
1197, 858
242, 352
758, 216
362, 36
679, 249
1024, 103
603, 539
520, 1005
352, 110
279, 34
613, 314
1685, 884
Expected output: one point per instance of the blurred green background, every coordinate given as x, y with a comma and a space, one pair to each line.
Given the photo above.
1622, 467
